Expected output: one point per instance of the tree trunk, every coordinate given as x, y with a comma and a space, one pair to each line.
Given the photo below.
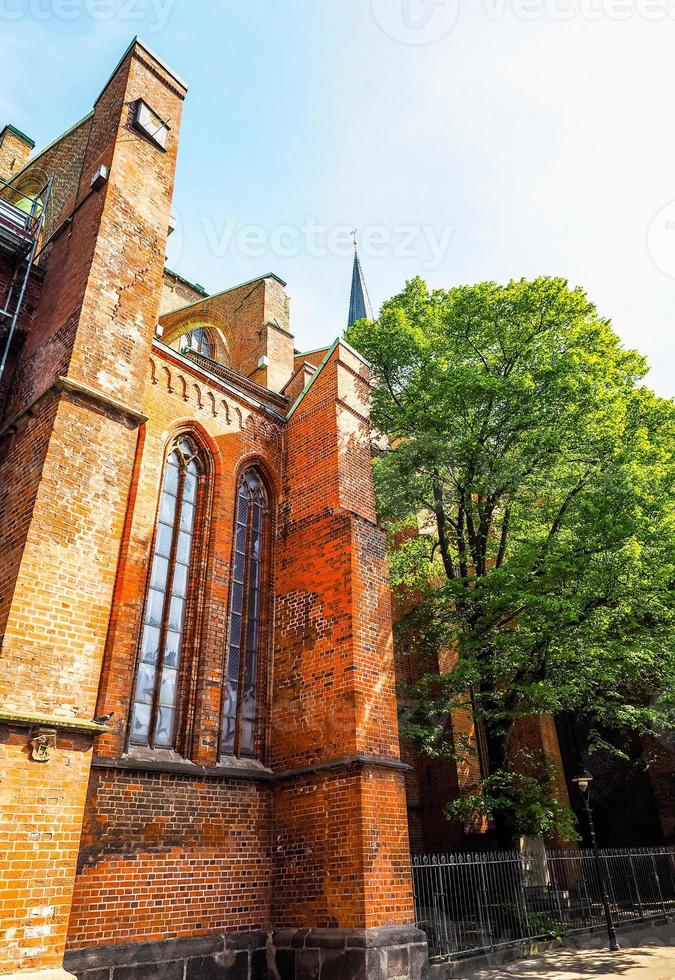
496, 739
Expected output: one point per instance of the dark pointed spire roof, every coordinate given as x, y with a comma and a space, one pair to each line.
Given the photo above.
359, 303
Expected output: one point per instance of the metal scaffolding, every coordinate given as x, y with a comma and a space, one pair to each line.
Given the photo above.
21, 221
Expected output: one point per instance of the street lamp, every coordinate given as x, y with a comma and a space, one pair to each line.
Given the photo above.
583, 781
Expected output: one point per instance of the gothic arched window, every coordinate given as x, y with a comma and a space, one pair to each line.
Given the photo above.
197, 340
240, 698
163, 640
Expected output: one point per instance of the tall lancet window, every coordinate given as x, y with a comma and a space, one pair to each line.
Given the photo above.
240, 698
164, 640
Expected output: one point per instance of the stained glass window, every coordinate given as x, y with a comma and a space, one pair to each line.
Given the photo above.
153, 717
241, 680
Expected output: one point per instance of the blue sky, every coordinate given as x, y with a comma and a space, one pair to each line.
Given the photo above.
466, 139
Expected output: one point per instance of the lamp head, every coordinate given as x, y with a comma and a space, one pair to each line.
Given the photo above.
583, 780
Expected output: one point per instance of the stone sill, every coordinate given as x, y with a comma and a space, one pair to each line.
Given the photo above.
28, 719
251, 771
246, 769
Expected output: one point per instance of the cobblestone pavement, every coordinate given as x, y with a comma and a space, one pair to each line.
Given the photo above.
648, 958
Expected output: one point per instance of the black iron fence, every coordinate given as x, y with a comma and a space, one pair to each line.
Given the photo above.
468, 902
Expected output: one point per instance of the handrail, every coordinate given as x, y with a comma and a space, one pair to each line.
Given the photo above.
38, 202
38, 216
12, 182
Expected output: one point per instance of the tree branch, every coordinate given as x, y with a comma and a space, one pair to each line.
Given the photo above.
441, 524
501, 554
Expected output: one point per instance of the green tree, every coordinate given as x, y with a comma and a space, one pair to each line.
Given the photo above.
514, 436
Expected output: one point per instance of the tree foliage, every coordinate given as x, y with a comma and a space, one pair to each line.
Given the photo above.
525, 474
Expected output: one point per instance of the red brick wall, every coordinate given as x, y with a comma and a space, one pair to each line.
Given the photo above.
252, 320
13, 153
181, 853
109, 310
333, 673
341, 851
40, 821
145, 832
166, 856
67, 470
177, 293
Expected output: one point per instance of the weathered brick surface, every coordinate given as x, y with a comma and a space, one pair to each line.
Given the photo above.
246, 322
182, 845
166, 856
176, 292
343, 856
341, 851
344, 702
40, 821
14, 152
66, 467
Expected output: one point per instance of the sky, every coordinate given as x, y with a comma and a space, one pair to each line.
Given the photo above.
466, 140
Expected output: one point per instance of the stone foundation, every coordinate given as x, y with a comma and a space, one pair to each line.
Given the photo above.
352, 954
298, 954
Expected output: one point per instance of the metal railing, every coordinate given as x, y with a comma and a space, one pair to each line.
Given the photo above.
20, 209
475, 902
21, 224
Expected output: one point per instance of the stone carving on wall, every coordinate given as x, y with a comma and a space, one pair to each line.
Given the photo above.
42, 744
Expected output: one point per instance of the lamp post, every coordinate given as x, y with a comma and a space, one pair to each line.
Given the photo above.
584, 781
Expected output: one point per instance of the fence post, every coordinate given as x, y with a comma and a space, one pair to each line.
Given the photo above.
637, 890
487, 903
520, 871
557, 899
440, 907
610, 882
589, 901
658, 884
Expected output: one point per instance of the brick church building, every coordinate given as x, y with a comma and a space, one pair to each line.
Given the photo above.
199, 757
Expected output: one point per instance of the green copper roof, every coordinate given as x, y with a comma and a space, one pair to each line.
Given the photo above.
193, 285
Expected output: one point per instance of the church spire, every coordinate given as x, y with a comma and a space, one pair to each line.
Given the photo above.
359, 303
